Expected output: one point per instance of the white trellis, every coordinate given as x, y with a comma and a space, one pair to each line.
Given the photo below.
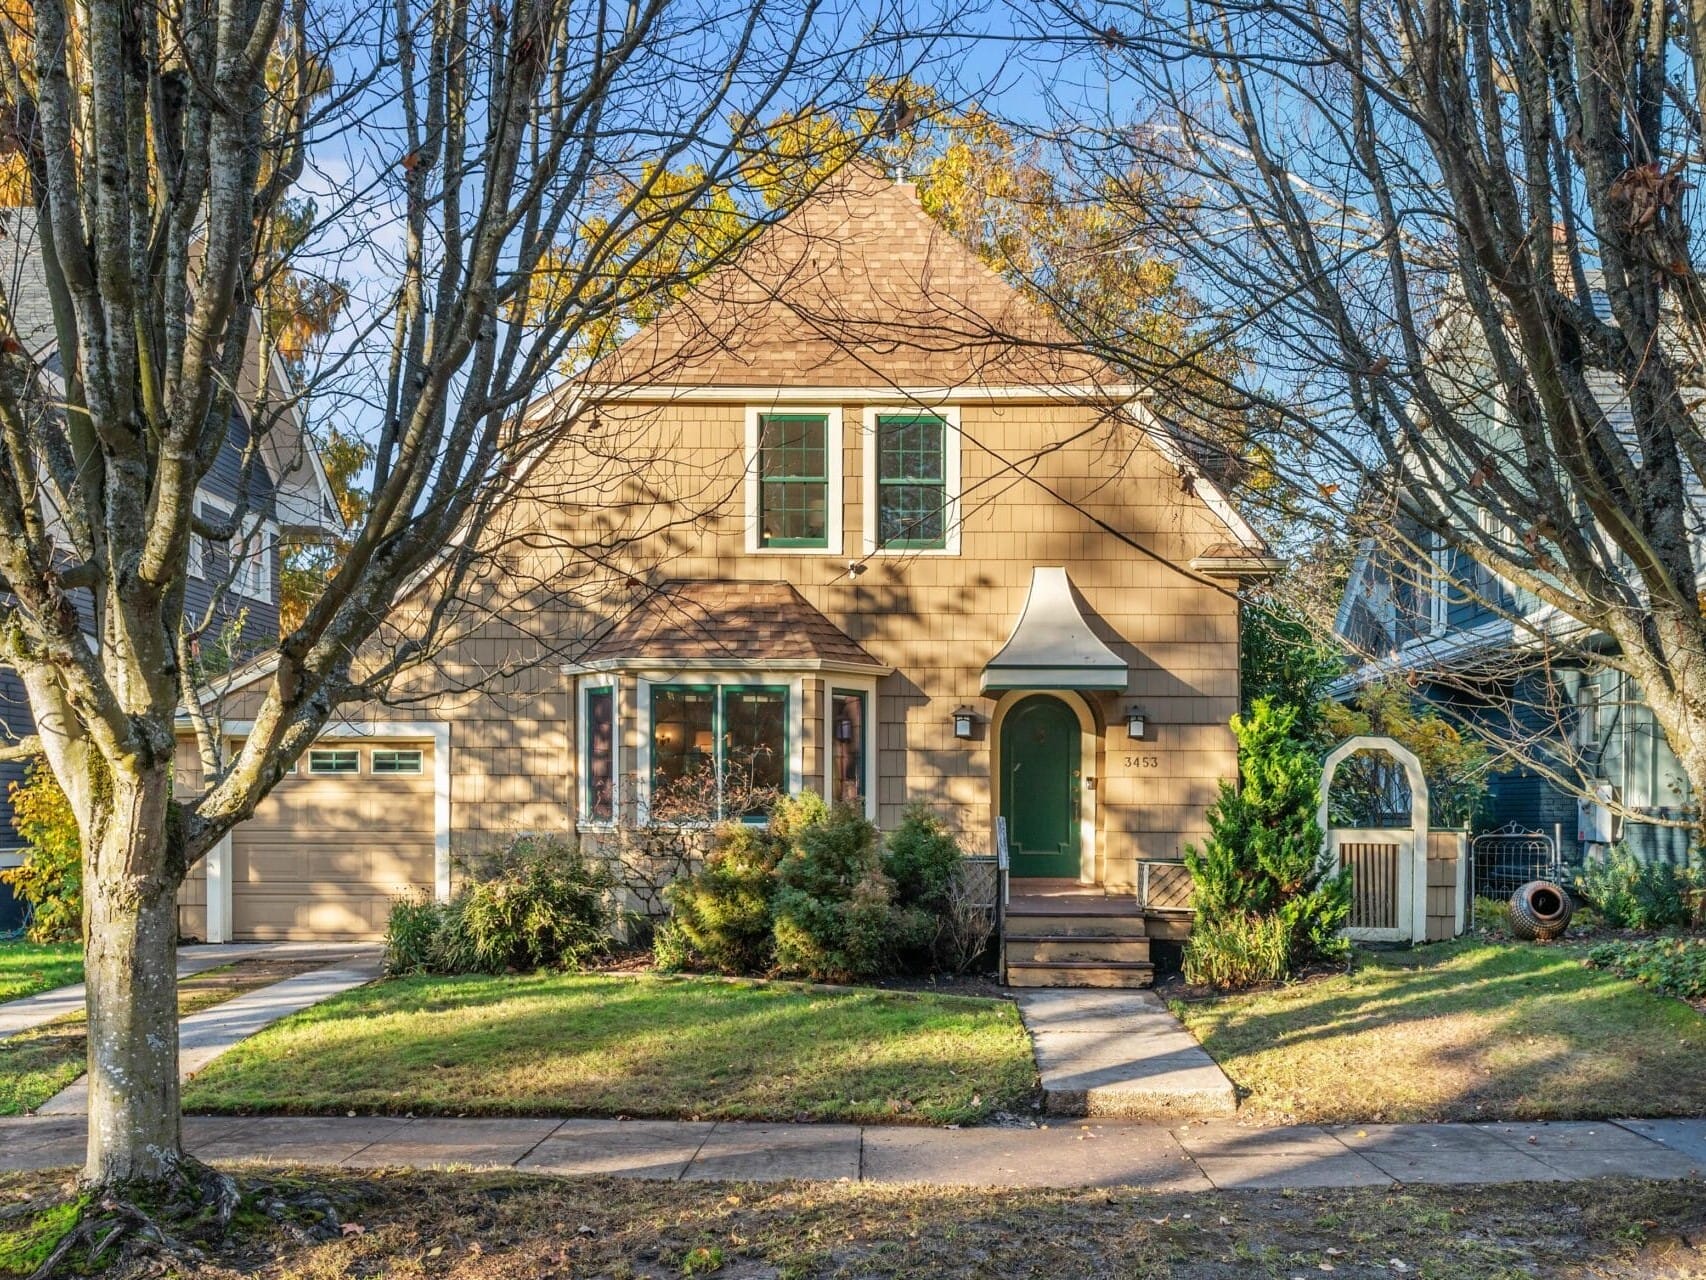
1389, 865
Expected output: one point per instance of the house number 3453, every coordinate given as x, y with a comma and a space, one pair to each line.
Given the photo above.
1143, 762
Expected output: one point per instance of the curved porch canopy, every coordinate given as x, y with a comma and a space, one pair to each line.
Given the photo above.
1052, 645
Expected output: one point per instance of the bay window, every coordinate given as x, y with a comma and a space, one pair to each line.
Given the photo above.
598, 754
717, 750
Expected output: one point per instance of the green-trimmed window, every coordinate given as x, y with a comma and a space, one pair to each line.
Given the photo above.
717, 750
912, 481
847, 759
598, 754
793, 480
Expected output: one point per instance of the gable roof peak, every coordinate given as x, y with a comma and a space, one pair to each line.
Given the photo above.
856, 286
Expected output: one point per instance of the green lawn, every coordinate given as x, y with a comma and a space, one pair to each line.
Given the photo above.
38, 1063
1458, 1031
568, 1044
29, 967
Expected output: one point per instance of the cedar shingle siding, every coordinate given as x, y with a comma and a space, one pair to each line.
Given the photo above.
858, 303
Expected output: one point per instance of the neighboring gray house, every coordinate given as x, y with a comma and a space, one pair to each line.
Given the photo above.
284, 488
1452, 630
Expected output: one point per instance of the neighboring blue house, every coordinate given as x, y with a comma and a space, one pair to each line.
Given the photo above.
1495, 658
287, 496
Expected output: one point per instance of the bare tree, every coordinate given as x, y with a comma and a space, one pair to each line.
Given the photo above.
1458, 242
494, 177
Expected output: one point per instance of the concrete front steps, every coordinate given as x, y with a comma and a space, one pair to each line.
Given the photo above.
1064, 939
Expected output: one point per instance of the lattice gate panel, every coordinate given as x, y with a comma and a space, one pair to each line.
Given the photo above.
1374, 883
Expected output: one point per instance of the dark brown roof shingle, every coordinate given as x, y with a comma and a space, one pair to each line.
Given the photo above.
705, 621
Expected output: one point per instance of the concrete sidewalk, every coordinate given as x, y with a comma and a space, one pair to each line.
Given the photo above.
1188, 1157
203, 1036
1120, 1053
47, 1006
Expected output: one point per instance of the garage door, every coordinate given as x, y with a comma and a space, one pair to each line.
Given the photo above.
335, 843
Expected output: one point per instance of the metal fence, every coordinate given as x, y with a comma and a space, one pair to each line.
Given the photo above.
1504, 860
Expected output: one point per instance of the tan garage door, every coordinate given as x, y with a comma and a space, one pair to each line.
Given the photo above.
326, 853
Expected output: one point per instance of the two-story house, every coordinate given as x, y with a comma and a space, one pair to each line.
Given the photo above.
873, 525
1578, 755
233, 590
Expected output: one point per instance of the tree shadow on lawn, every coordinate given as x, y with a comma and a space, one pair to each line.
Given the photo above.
1469, 1033
631, 1047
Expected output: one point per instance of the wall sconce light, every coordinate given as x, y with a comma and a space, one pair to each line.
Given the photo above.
1135, 723
965, 721
844, 730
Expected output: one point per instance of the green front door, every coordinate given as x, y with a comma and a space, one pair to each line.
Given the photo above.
1039, 787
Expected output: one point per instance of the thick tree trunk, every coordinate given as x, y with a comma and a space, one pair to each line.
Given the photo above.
130, 918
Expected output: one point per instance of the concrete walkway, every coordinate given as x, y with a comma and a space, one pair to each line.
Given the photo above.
1189, 1157
203, 1036
1120, 1053
47, 1006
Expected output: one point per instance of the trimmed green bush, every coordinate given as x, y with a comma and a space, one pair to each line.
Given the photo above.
720, 917
922, 859
539, 904
835, 914
1262, 875
1631, 894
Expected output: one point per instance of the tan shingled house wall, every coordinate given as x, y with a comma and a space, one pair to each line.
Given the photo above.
897, 303
937, 619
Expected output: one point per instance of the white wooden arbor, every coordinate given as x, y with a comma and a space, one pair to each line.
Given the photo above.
1389, 865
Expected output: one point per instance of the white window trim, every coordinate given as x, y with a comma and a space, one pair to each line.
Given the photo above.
251, 574
583, 817
796, 726
951, 485
836, 515
1439, 603
868, 687
333, 773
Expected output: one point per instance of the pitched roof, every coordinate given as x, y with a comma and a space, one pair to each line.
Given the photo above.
858, 286
708, 621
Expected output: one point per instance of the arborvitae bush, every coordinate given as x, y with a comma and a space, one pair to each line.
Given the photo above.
1264, 863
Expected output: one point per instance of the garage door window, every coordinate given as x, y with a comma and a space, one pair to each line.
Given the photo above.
388, 761
334, 762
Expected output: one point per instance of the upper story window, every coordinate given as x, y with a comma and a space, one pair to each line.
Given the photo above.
793, 498
912, 481
251, 559
793, 480
245, 562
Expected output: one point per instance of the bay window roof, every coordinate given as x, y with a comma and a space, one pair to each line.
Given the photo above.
700, 624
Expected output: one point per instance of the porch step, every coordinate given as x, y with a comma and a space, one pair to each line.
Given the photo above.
1051, 926
1069, 948
1127, 974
